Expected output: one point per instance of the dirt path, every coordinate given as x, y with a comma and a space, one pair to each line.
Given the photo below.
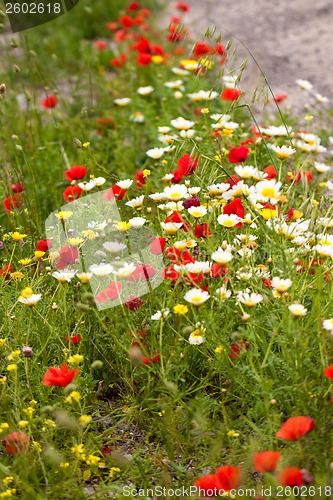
290, 39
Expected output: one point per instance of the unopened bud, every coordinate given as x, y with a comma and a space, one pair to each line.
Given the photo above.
97, 365
16, 68
135, 355
77, 142
28, 96
27, 351
82, 307
2, 88
14, 43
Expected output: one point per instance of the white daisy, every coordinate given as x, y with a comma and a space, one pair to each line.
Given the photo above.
297, 310
181, 124
196, 296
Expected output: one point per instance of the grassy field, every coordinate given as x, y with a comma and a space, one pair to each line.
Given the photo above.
231, 355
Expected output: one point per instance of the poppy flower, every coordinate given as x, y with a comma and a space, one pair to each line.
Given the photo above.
16, 442
126, 21
44, 245
71, 193
18, 187
12, 202
328, 372
100, 45
142, 272
306, 175
201, 49
75, 173
133, 6
280, 97
68, 255
266, 461
133, 303
157, 245
191, 202
238, 347
207, 485
6, 270
50, 102
295, 427
118, 62
143, 59
228, 477
235, 207
231, 94
182, 6
73, 340
217, 271
238, 155
187, 165
148, 361
59, 377
202, 230
114, 192
290, 476
270, 172
171, 274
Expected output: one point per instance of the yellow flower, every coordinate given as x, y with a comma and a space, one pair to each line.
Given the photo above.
204, 111
37, 446
227, 132
114, 471
146, 173
39, 254
3, 380
122, 226
157, 59
180, 309
17, 275
25, 262
13, 355
64, 465
7, 480
268, 213
314, 203
26, 293
4, 425
49, 423
308, 118
75, 241
73, 396
89, 233
219, 349
23, 423
232, 434
86, 144
92, 460
76, 359
16, 236
3, 342
66, 214
8, 493
29, 411
78, 450
85, 419
12, 367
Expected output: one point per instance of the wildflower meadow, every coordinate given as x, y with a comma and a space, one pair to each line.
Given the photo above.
166, 266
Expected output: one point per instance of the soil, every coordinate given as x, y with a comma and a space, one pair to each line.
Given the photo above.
290, 40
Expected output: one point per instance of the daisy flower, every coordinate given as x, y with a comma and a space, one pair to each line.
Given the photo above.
176, 192
136, 202
155, 153
268, 191
196, 296
164, 313
282, 151
328, 325
231, 220
222, 257
145, 90
30, 301
281, 285
249, 299
197, 212
196, 338
297, 310
64, 276
181, 124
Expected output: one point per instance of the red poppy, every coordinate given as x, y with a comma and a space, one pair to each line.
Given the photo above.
207, 485
126, 21
12, 202
73, 340
44, 245
169, 273
306, 175
16, 442
148, 361
219, 49
295, 427
270, 171
143, 59
328, 372
18, 187
239, 154
75, 173
182, 6
238, 347
133, 6
202, 230
201, 48
187, 164
100, 45
118, 61
50, 102
68, 255
266, 461
114, 192
280, 97
71, 193
231, 94
112, 26
133, 303
217, 271
144, 12
142, 272
228, 477
235, 207
6, 270
59, 377
290, 476
157, 245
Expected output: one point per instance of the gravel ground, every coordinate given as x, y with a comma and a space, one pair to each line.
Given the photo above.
289, 40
